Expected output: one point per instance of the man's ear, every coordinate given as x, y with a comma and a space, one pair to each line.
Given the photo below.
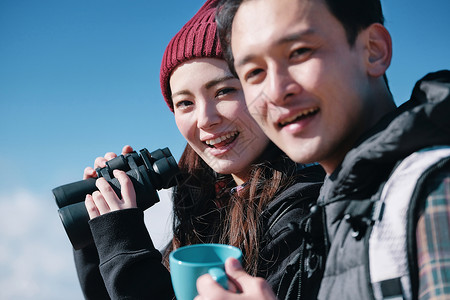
379, 47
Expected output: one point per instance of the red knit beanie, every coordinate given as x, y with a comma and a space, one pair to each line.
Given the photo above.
196, 39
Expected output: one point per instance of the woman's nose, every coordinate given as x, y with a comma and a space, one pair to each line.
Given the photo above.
207, 115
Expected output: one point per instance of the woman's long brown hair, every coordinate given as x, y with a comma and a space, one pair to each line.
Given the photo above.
206, 211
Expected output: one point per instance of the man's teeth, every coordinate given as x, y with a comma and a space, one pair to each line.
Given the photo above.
221, 138
302, 114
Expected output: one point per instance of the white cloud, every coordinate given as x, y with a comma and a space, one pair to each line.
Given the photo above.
35, 254
35, 259
159, 220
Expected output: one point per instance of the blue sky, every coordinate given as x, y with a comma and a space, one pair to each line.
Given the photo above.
80, 78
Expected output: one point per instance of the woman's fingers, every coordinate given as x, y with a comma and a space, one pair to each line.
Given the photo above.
126, 189
89, 173
127, 149
100, 203
100, 162
105, 198
91, 207
110, 155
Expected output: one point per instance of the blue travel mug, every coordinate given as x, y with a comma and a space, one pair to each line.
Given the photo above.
190, 262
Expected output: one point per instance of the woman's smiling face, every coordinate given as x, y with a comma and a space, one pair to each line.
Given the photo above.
211, 114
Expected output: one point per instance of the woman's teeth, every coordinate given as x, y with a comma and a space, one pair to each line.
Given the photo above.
221, 138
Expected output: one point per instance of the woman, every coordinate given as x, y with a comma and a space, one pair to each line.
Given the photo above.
236, 187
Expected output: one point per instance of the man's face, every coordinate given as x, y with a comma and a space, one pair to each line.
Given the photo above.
303, 83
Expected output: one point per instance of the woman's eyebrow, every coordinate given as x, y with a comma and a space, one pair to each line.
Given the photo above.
208, 85
182, 92
216, 81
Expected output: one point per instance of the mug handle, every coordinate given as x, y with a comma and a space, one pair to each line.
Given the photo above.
219, 276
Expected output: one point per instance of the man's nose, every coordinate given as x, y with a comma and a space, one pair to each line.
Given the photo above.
281, 86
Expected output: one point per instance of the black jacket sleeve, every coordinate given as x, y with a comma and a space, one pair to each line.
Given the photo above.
91, 282
292, 253
129, 264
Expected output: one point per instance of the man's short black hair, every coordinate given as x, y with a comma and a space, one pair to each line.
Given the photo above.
354, 15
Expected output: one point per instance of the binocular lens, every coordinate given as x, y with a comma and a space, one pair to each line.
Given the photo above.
74, 192
75, 219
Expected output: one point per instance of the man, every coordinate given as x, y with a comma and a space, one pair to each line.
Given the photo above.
313, 74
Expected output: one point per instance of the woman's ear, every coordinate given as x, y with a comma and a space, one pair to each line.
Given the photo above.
379, 46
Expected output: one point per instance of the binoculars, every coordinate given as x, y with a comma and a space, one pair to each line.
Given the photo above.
148, 172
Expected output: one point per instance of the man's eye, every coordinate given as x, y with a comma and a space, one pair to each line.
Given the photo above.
300, 52
252, 74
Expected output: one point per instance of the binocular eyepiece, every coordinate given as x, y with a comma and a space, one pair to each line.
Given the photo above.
148, 172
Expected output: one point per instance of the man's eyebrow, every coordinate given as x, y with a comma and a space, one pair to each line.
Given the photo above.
297, 36
245, 60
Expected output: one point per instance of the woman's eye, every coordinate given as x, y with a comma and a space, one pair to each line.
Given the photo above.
225, 91
183, 104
